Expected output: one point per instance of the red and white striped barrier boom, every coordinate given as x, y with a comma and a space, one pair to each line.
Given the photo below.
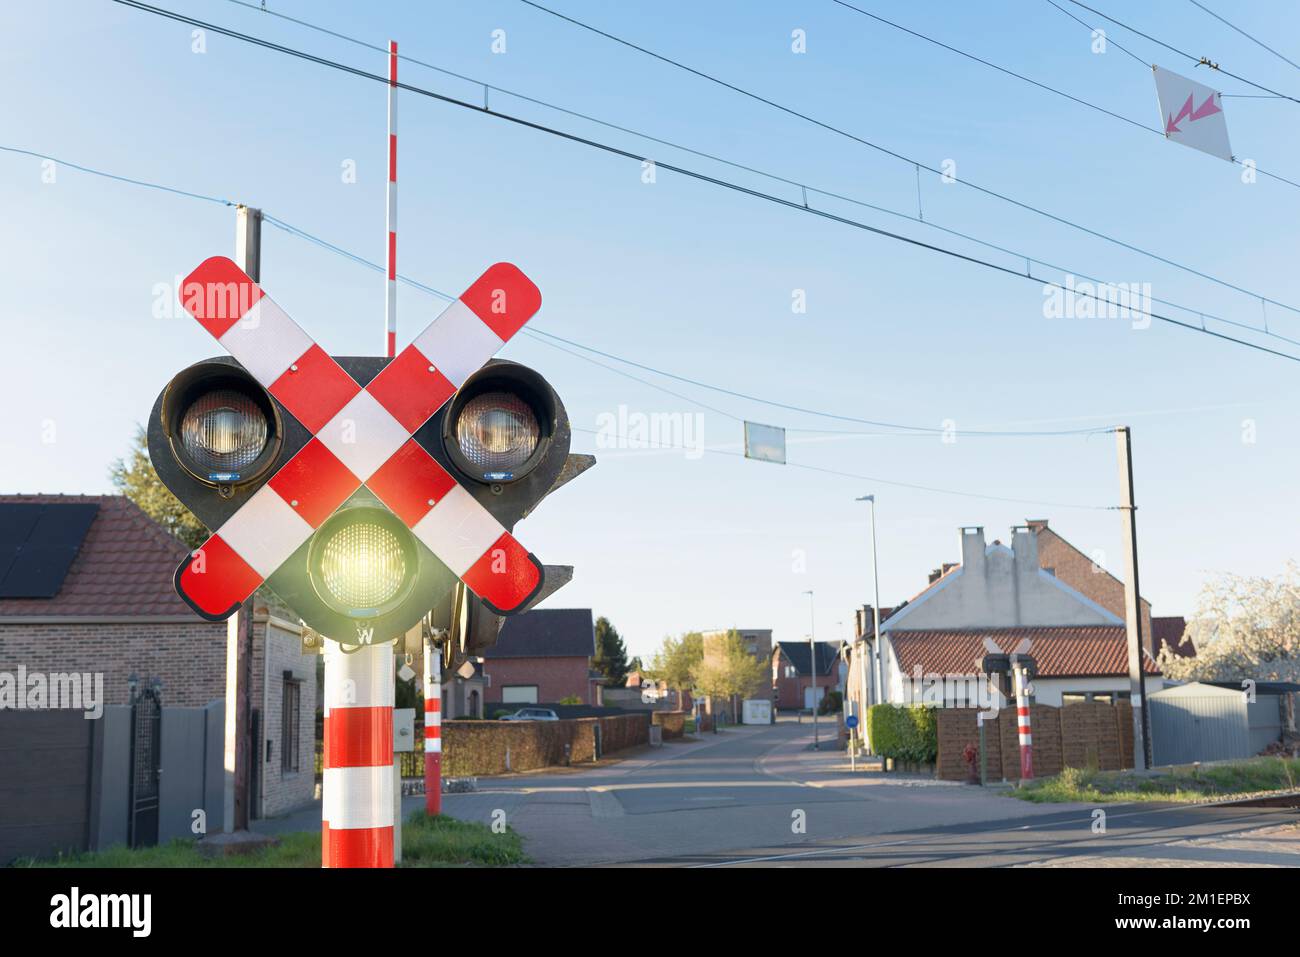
432, 728
390, 298
357, 794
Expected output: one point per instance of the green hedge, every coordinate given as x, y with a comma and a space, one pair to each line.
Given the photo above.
904, 732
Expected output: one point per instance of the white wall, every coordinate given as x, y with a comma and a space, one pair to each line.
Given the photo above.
999, 587
1050, 690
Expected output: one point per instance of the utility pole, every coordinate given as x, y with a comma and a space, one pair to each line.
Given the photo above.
1133, 603
812, 666
239, 628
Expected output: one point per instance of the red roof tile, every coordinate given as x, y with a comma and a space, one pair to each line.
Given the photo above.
124, 568
1060, 651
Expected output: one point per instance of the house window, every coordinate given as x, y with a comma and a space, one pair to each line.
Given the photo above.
290, 723
1073, 697
519, 694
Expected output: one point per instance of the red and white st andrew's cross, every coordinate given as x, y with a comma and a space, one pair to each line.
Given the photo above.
360, 436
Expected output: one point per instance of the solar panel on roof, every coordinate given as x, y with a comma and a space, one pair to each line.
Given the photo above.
38, 542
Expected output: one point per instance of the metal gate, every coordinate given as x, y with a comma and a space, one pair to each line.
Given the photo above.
146, 749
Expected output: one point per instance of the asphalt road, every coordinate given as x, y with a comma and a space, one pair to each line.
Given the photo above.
762, 797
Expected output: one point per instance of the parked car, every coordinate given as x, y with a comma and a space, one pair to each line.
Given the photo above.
531, 714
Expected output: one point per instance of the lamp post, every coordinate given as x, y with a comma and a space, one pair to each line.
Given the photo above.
875, 609
812, 665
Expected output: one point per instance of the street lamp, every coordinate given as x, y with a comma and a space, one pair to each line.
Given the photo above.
875, 628
812, 665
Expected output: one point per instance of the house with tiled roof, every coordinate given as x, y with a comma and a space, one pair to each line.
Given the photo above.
543, 656
86, 586
796, 668
1001, 594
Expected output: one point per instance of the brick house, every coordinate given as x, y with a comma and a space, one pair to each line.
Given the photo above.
756, 641
542, 656
115, 613
792, 673
1085, 574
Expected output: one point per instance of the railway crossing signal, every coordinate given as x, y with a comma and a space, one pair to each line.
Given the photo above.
360, 490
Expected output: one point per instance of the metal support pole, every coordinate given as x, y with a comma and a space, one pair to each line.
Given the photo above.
236, 750
863, 656
432, 727
357, 806
984, 755
875, 610
812, 666
1133, 603
1023, 723
239, 628
874, 654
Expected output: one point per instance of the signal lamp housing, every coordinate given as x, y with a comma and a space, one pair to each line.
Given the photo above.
363, 562
501, 424
220, 425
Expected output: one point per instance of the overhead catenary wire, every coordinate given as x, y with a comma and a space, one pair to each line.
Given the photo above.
867, 478
1090, 27
990, 64
537, 334
702, 177
1253, 39
775, 177
559, 342
338, 250
1042, 86
553, 340
1028, 207
1204, 61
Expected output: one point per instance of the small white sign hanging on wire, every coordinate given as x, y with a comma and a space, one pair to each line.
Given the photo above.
766, 443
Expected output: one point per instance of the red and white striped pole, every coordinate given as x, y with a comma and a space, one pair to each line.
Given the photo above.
432, 728
357, 805
1021, 675
390, 299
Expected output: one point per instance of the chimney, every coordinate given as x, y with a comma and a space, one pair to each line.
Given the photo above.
972, 549
1024, 542
942, 570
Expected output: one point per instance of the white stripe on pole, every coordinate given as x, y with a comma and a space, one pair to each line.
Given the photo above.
359, 681
358, 797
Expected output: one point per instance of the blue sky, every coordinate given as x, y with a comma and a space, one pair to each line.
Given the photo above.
686, 277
